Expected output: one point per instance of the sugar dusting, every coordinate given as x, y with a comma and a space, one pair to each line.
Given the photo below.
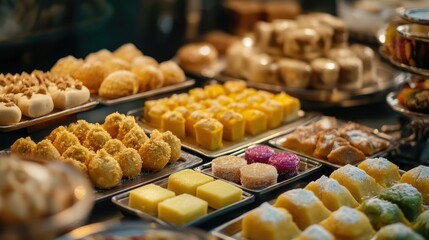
347, 215
270, 214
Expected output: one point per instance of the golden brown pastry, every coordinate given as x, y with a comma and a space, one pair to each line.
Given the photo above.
91, 74
172, 140
23, 148
294, 73
112, 122
67, 65
130, 162
102, 55
127, 52
104, 171
119, 84
114, 146
45, 151
125, 126
325, 141
54, 133
116, 64
135, 138
96, 138
79, 153
172, 73
344, 153
195, 57
155, 154
64, 140
76, 164
149, 77
142, 61
80, 128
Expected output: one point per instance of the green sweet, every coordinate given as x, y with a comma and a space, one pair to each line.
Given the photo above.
397, 231
381, 212
422, 224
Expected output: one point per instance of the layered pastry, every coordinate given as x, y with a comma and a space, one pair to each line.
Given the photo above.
303, 140
306, 209
195, 57
268, 223
324, 73
258, 175
228, 167
382, 170
418, 177
295, 74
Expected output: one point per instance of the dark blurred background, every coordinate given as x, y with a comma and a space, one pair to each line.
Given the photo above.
35, 34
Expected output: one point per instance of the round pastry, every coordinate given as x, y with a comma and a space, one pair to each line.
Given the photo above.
23, 148
260, 68
79, 153
9, 111
91, 74
127, 52
135, 138
172, 73
116, 64
130, 162
142, 61
35, 102
119, 84
104, 171
102, 55
96, 138
368, 58
45, 151
67, 65
259, 153
287, 164
149, 77
114, 146
173, 141
324, 74
76, 164
258, 175
128, 123
64, 140
294, 73
155, 154
220, 40
195, 57
80, 128
302, 43
54, 133
228, 167
112, 122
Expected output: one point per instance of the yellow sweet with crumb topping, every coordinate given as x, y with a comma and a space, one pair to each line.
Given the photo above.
155, 114
208, 133
193, 118
173, 121
255, 121
273, 111
233, 125
289, 104
214, 90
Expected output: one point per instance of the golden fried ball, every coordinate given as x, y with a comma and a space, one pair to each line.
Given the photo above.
125, 126
91, 74
102, 55
127, 52
135, 138
114, 146
45, 151
116, 64
149, 77
23, 148
67, 65
155, 154
173, 141
78, 153
142, 61
80, 129
96, 138
76, 164
130, 162
104, 171
64, 140
119, 84
53, 135
112, 122
172, 73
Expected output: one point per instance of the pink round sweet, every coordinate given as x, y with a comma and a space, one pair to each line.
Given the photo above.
285, 162
259, 153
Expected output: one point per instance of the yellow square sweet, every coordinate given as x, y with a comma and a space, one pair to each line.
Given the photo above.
219, 194
174, 121
255, 121
147, 106
233, 125
208, 133
182, 209
214, 90
274, 112
289, 104
146, 198
155, 114
198, 94
187, 181
193, 118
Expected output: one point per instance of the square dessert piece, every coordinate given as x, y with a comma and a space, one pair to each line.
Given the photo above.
233, 125
147, 106
219, 194
255, 121
155, 114
182, 209
208, 133
174, 121
193, 118
146, 198
187, 181
289, 104
214, 90
274, 112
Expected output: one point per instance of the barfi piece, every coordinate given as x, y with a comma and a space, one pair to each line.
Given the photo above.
182, 209
208, 133
418, 177
290, 105
146, 198
175, 122
233, 125
382, 170
187, 181
255, 121
193, 118
155, 114
274, 112
219, 194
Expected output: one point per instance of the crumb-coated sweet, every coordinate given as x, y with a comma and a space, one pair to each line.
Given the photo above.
76, 164
23, 148
80, 129
258, 175
135, 138
228, 167
258, 153
96, 138
54, 133
112, 122
127, 52
155, 154
79, 153
114, 146
149, 77
173, 141
64, 140
91, 74
104, 171
67, 65
130, 162
128, 123
45, 151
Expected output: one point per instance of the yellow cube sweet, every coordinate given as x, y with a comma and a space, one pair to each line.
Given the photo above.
187, 181
233, 125
147, 106
219, 194
290, 105
234, 86
183, 110
198, 94
223, 100
214, 90
193, 118
239, 107
182, 209
208, 133
146, 198
180, 99
193, 106
255, 121
155, 114
216, 109
274, 112
173, 121
243, 95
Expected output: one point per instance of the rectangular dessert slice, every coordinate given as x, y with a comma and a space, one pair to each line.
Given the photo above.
146, 198
219, 194
182, 209
187, 181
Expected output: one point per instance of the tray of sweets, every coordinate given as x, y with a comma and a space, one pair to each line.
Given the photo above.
122, 201
178, 86
306, 167
228, 146
353, 131
56, 113
187, 160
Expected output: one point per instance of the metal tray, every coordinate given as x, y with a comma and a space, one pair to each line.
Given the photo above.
229, 147
306, 167
386, 80
186, 161
393, 102
147, 94
277, 142
402, 66
56, 113
121, 201
230, 230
